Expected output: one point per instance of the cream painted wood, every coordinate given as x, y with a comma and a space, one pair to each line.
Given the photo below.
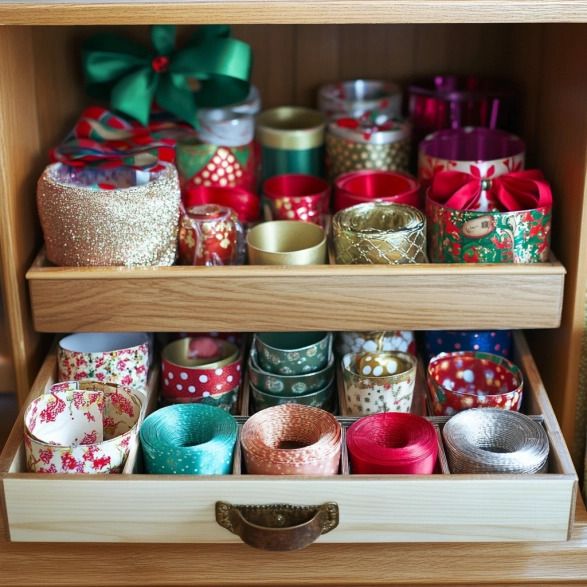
25, 12
255, 297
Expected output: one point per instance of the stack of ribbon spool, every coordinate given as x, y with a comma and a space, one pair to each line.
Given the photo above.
81, 427
189, 439
292, 439
203, 370
292, 368
392, 443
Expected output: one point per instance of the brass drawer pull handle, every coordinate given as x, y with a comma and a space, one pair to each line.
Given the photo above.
277, 526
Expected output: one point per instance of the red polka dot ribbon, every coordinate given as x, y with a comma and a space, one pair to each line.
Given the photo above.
392, 443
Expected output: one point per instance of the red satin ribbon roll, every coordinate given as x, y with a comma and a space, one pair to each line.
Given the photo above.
512, 192
357, 187
392, 443
246, 204
295, 196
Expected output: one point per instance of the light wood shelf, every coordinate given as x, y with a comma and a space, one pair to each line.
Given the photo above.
65, 12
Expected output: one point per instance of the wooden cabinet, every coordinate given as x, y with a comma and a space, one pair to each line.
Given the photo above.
299, 44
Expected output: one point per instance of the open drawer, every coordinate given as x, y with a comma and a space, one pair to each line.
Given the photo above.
311, 297
134, 507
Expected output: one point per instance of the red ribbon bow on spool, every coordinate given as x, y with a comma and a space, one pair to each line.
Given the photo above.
520, 190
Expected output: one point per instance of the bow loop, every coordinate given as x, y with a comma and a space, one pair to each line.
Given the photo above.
520, 190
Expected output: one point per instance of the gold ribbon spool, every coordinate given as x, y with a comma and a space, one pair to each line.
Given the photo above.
291, 128
177, 353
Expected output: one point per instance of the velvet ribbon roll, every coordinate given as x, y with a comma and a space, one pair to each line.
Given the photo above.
188, 373
498, 342
295, 196
292, 439
189, 439
87, 222
516, 230
107, 357
361, 187
353, 145
392, 443
449, 101
210, 235
292, 141
379, 232
81, 427
467, 379
246, 204
482, 152
488, 440
360, 98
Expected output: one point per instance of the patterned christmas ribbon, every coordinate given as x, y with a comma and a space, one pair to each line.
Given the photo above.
246, 204
484, 153
322, 398
210, 235
381, 233
378, 382
292, 439
212, 71
81, 427
488, 440
468, 379
382, 341
498, 342
107, 357
134, 225
516, 230
295, 196
449, 101
358, 187
186, 374
360, 98
189, 439
389, 443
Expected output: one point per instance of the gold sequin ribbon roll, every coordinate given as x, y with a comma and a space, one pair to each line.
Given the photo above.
379, 232
132, 221
490, 440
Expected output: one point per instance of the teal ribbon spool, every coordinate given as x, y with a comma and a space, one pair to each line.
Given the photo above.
279, 161
189, 439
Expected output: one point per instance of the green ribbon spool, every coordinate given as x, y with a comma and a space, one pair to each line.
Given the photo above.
279, 161
212, 71
189, 439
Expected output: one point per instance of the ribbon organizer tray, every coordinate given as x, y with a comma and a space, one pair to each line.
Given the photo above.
135, 507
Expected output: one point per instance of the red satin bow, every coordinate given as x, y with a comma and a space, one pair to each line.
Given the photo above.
520, 190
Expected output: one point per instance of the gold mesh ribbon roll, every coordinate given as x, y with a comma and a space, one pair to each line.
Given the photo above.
379, 232
132, 222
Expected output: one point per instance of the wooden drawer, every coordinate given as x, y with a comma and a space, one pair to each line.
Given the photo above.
429, 296
134, 507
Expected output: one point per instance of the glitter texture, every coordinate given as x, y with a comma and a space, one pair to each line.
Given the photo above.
86, 225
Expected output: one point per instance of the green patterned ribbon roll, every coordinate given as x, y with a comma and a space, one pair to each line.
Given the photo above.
189, 439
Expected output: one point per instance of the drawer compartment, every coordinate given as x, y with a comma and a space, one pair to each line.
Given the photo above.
314, 297
134, 507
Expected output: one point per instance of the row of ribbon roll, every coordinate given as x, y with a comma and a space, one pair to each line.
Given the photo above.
89, 420
116, 189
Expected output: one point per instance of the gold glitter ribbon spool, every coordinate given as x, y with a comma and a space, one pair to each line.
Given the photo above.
89, 226
291, 127
287, 242
380, 233
490, 440
292, 439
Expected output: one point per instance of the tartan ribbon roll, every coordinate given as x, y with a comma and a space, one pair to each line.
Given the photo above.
489, 440
189, 439
81, 427
292, 439
379, 232
392, 443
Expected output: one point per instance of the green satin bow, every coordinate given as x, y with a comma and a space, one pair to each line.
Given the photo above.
212, 71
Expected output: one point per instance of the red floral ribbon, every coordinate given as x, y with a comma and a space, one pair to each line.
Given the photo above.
520, 190
101, 138
392, 443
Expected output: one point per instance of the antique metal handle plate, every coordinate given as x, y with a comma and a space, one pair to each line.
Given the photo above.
277, 526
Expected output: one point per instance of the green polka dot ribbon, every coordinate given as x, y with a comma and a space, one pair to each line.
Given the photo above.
189, 439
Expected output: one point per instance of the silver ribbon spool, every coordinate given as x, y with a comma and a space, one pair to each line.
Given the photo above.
490, 440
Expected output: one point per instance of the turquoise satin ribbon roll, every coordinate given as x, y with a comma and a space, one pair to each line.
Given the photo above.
189, 439
280, 161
